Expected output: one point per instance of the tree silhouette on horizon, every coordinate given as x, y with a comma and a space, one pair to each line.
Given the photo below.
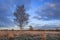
21, 16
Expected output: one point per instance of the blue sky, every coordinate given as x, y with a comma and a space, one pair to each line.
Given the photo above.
46, 11
42, 12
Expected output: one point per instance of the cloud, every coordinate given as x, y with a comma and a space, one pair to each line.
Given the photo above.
49, 11
7, 8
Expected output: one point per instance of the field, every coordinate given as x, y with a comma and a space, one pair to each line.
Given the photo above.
29, 35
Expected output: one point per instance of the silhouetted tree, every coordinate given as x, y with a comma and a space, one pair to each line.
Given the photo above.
21, 16
31, 28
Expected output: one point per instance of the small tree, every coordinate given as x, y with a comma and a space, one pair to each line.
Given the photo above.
21, 16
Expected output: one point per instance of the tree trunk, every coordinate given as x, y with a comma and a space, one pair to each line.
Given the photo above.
21, 27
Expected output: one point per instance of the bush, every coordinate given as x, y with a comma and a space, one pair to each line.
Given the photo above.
27, 37
56, 37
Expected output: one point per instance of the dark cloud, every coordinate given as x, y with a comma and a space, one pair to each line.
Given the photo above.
49, 11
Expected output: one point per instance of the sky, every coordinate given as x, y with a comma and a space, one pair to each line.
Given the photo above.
42, 12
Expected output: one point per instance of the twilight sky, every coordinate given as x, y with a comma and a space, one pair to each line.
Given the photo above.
42, 12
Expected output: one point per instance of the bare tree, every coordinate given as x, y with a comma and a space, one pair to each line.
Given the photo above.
21, 16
